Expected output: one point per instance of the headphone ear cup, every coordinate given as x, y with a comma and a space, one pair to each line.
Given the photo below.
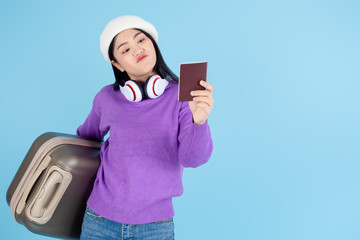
155, 86
133, 91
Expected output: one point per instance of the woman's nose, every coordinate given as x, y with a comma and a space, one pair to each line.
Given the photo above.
138, 51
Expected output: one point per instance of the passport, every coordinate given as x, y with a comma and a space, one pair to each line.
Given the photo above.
189, 80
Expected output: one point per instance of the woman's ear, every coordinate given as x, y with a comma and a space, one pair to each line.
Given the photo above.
117, 65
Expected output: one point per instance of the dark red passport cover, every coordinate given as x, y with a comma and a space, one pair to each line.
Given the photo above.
190, 76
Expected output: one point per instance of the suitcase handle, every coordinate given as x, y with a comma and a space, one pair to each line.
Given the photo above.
46, 200
47, 192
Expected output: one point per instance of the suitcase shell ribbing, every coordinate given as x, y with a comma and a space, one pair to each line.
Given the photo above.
49, 191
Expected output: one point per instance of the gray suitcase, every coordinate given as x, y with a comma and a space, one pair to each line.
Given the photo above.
49, 191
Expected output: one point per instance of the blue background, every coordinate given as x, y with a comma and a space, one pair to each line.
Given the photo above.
285, 122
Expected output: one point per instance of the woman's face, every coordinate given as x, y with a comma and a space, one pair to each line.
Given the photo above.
135, 54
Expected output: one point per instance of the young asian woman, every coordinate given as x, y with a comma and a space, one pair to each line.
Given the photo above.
152, 137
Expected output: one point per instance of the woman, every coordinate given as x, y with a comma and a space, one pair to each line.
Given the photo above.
152, 137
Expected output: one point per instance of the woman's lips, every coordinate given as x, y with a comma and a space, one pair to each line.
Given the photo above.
141, 58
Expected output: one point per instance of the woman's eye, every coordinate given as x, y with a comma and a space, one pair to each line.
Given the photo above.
126, 50
141, 40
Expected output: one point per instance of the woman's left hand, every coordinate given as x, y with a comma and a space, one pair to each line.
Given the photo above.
202, 103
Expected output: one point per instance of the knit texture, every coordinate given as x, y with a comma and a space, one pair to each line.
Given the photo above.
142, 161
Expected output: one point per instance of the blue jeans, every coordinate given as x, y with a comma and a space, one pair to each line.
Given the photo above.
96, 227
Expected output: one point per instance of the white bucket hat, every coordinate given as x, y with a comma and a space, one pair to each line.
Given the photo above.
120, 24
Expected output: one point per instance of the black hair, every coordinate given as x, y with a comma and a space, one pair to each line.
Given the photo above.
160, 66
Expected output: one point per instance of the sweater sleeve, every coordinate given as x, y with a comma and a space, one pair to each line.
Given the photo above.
91, 127
195, 142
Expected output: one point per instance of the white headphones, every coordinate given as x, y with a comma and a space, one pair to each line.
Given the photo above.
154, 87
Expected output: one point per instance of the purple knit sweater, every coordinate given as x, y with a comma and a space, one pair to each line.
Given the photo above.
142, 161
